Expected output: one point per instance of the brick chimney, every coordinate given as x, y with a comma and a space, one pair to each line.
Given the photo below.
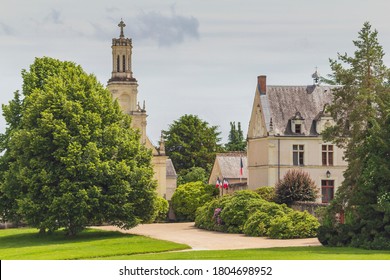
262, 84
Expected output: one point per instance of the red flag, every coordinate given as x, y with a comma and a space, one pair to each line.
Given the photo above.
218, 183
241, 167
225, 183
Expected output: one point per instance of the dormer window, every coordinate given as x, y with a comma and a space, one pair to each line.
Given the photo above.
324, 120
297, 123
298, 128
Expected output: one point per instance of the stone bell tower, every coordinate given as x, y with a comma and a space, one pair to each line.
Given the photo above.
124, 88
122, 85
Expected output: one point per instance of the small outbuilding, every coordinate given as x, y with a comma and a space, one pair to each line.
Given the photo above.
229, 172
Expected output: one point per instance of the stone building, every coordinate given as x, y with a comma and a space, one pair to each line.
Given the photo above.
285, 133
227, 166
124, 87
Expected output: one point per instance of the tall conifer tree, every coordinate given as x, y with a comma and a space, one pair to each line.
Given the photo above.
361, 111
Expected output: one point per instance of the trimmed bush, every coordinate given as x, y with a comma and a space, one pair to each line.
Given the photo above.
188, 197
236, 210
296, 185
260, 221
257, 224
295, 224
206, 218
267, 193
246, 212
162, 208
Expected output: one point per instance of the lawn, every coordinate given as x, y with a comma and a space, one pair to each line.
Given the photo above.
27, 244
287, 253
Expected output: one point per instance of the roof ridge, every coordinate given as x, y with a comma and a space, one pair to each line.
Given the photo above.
232, 153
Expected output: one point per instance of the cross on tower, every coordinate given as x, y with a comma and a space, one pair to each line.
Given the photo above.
121, 25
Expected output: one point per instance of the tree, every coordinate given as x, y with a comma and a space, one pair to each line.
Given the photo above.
296, 185
188, 197
194, 174
191, 142
71, 158
361, 111
237, 141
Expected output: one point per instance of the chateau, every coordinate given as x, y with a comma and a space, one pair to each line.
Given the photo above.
285, 133
124, 87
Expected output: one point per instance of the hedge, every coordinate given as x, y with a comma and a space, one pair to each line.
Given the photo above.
246, 212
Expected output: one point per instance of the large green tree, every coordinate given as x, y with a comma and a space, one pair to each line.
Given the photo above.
361, 110
70, 157
192, 142
236, 138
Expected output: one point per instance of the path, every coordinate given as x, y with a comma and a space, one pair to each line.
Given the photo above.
200, 239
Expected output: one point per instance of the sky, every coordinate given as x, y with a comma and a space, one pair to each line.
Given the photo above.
189, 57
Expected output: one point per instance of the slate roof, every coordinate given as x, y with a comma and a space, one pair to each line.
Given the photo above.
171, 172
281, 103
229, 164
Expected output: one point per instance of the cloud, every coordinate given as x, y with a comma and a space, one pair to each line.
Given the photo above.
112, 9
54, 17
166, 30
6, 29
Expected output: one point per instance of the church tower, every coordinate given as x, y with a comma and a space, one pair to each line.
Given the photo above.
122, 85
124, 88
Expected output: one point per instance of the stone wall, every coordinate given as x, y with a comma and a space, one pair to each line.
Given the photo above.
311, 207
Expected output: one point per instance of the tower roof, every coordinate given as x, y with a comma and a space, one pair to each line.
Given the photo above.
121, 58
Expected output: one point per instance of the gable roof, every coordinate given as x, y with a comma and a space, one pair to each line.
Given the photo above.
229, 164
281, 103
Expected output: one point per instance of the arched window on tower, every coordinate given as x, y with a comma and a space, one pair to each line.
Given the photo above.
117, 64
124, 63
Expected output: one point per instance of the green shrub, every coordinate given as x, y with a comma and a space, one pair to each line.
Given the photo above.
162, 208
246, 212
188, 197
295, 224
340, 235
259, 222
281, 228
296, 186
236, 210
274, 209
267, 193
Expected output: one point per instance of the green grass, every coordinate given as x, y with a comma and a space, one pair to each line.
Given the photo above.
27, 244
287, 253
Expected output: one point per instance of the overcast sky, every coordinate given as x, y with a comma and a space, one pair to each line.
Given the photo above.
189, 57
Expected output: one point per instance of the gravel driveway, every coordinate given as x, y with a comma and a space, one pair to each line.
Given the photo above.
200, 239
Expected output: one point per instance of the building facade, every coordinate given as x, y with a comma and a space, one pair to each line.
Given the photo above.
285, 133
230, 167
124, 88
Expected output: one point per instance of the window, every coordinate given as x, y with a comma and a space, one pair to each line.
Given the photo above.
298, 155
298, 128
117, 64
327, 190
327, 155
124, 63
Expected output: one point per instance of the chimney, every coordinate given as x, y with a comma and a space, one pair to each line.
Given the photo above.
262, 84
